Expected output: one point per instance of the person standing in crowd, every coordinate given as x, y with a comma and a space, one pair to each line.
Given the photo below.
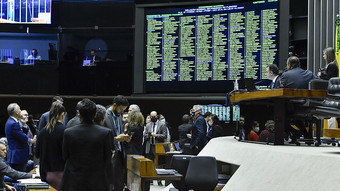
272, 72
215, 129
331, 70
44, 117
75, 120
133, 107
87, 151
155, 132
113, 121
99, 118
27, 130
125, 116
296, 77
199, 130
135, 129
49, 146
184, 129
8, 171
169, 132
207, 118
18, 141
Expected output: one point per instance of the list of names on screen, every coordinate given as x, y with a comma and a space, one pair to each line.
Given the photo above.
211, 43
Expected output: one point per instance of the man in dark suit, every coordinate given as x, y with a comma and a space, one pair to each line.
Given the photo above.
87, 150
8, 171
184, 129
113, 121
44, 117
199, 130
296, 77
75, 120
272, 72
18, 141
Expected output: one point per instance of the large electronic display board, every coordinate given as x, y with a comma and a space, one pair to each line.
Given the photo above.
203, 48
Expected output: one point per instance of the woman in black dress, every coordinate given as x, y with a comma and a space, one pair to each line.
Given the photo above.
49, 146
331, 70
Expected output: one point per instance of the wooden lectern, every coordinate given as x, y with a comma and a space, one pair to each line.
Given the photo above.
141, 170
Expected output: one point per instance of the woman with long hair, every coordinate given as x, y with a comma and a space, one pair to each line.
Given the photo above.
331, 70
49, 146
136, 122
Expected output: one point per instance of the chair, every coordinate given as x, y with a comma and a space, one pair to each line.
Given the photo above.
180, 163
317, 84
202, 173
301, 113
330, 108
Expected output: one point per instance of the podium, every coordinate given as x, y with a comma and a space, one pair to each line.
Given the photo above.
141, 170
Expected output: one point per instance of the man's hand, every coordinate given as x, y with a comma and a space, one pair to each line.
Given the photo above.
33, 140
123, 137
154, 135
11, 188
319, 74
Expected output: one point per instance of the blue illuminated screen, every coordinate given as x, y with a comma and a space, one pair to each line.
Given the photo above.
222, 112
25, 11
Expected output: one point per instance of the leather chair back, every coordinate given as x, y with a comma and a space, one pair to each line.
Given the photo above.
180, 163
317, 84
202, 173
334, 86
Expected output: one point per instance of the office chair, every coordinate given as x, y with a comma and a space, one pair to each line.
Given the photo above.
202, 173
301, 113
180, 163
330, 108
317, 84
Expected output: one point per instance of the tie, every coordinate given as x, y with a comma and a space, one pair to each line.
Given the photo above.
153, 131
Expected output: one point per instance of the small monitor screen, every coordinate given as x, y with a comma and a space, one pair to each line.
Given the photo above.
236, 113
25, 11
222, 112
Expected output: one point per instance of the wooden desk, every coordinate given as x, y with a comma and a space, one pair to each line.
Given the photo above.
141, 170
278, 99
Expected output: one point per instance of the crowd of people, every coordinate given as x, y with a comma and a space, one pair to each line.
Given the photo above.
88, 152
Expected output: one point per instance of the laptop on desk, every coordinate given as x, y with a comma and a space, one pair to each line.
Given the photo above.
249, 84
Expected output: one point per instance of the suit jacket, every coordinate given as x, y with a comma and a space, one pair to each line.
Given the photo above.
161, 132
183, 130
10, 172
277, 83
331, 71
111, 124
49, 150
18, 143
87, 153
296, 78
44, 119
199, 131
73, 122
